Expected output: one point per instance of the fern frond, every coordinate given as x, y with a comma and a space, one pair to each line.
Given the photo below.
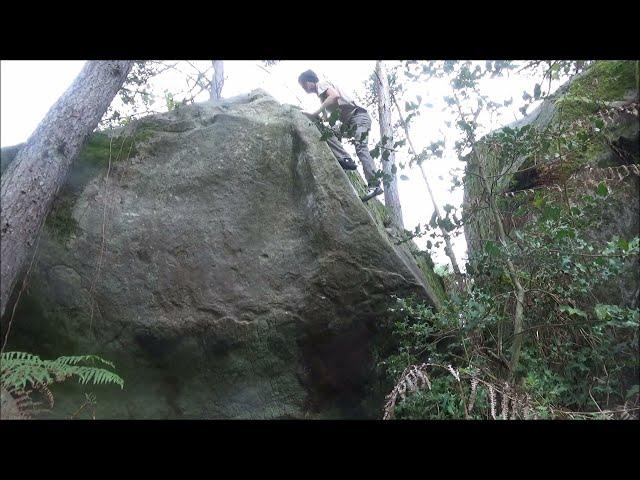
8, 356
17, 404
20, 369
413, 378
514, 404
74, 360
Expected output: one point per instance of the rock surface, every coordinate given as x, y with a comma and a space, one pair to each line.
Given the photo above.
224, 263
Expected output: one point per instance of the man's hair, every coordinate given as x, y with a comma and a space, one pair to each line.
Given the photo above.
308, 76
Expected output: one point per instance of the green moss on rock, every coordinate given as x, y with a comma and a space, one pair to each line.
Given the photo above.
378, 211
606, 81
433, 279
100, 150
60, 221
382, 218
101, 147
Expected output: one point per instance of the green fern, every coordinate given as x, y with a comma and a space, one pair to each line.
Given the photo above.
19, 370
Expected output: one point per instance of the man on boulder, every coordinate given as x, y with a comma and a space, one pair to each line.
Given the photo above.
355, 123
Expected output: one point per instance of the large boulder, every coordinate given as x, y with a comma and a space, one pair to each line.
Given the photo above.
222, 259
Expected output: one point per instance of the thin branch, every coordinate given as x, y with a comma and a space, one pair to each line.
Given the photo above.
449, 249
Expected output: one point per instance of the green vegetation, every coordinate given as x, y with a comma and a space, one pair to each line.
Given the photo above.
21, 370
577, 355
60, 221
606, 81
546, 327
92, 160
23, 373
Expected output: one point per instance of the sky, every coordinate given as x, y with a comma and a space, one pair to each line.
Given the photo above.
30, 88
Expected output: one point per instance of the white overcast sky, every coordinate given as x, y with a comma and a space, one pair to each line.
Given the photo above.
30, 88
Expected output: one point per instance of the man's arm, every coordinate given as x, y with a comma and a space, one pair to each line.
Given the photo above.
332, 98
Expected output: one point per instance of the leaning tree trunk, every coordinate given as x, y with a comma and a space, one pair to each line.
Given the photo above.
34, 177
217, 81
447, 239
391, 196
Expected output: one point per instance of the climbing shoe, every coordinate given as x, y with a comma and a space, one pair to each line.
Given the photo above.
347, 164
374, 193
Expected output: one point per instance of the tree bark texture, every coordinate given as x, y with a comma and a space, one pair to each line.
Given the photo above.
447, 238
391, 196
32, 180
217, 81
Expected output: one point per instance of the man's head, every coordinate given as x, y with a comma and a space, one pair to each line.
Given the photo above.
308, 81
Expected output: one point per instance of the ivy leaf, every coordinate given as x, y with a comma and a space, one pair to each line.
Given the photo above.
433, 220
333, 118
549, 212
623, 244
404, 177
537, 91
491, 248
632, 392
446, 224
602, 311
602, 190
538, 200
449, 100
572, 311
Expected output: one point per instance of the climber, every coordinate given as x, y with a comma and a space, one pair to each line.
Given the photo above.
355, 123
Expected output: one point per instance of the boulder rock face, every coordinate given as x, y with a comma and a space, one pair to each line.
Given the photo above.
222, 259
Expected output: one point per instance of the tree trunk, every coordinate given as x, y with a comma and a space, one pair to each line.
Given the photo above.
217, 81
513, 274
391, 196
34, 177
447, 239
518, 317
